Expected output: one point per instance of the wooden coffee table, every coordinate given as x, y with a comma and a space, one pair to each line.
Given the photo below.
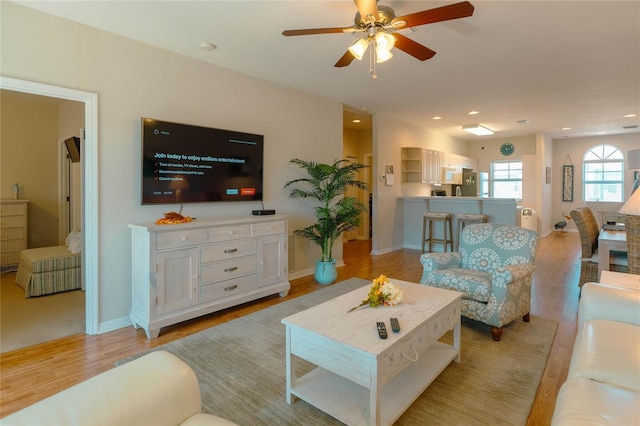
360, 378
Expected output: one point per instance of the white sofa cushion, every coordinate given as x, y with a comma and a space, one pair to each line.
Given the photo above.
156, 389
608, 351
586, 402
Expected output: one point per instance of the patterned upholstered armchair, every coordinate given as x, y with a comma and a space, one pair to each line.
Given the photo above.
493, 268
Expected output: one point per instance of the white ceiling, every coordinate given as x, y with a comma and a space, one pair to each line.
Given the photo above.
555, 63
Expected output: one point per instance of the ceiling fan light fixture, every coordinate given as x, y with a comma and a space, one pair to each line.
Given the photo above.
382, 55
477, 129
385, 41
358, 48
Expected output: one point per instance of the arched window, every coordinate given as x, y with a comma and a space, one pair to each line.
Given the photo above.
603, 174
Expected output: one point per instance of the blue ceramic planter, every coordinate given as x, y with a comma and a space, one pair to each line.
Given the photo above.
326, 272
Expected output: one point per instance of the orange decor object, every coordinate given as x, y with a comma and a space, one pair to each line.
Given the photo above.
172, 218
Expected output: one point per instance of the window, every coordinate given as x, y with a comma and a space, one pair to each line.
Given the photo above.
506, 179
603, 174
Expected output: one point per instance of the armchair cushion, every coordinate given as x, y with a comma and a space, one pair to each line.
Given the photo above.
474, 284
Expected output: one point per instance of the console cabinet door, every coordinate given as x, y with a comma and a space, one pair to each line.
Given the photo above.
272, 257
177, 280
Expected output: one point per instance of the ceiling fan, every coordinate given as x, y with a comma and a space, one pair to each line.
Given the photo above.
379, 25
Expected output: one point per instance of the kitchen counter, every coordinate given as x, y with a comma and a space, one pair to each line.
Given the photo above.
499, 210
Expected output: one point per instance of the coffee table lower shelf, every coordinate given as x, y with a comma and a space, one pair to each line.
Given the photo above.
348, 401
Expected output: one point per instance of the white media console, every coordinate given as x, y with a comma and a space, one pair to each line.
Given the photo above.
187, 270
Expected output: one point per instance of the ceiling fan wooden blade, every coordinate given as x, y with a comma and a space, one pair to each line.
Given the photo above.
345, 60
439, 14
413, 48
367, 8
312, 31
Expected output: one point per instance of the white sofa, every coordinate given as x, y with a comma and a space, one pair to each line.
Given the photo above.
603, 384
156, 389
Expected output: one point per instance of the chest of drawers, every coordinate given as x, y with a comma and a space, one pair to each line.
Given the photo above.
183, 271
13, 232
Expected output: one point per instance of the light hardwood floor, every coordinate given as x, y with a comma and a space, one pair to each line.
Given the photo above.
31, 374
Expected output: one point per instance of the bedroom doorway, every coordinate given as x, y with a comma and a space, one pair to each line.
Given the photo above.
89, 186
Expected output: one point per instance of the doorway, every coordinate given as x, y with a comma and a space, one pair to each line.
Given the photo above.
357, 145
89, 186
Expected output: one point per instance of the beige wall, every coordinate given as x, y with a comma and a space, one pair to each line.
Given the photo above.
29, 156
134, 80
389, 135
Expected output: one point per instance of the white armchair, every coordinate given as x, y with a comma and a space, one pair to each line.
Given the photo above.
493, 268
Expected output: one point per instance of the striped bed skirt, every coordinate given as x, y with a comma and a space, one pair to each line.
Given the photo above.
48, 270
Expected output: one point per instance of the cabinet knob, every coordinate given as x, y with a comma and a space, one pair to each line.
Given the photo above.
230, 232
184, 238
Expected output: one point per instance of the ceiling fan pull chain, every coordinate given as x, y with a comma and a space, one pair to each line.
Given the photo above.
372, 60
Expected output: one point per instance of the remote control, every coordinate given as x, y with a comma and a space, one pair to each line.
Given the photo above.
395, 325
382, 330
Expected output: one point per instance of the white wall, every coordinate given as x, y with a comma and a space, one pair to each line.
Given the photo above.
134, 80
389, 135
575, 148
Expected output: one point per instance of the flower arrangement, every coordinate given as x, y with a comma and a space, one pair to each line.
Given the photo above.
382, 292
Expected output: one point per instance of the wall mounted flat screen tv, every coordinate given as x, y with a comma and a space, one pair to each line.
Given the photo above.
182, 163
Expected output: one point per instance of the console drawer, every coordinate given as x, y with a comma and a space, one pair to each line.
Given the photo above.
268, 228
229, 233
228, 250
220, 290
402, 353
180, 238
227, 269
443, 322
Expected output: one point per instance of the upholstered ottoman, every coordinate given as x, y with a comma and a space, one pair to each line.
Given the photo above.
48, 270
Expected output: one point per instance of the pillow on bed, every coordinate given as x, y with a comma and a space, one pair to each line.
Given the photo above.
74, 241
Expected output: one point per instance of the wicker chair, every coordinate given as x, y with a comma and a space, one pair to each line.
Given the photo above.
588, 228
632, 225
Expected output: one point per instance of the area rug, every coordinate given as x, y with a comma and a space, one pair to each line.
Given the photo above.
241, 369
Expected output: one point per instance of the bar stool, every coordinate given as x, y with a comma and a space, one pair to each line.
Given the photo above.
463, 219
428, 220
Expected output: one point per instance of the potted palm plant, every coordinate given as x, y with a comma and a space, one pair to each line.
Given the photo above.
335, 213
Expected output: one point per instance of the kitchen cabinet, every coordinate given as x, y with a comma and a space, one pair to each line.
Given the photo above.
421, 165
411, 166
434, 160
187, 270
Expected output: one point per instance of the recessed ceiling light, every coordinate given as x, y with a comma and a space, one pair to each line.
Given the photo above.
474, 112
629, 115
437, 117
566, 128
207, 46
356, 121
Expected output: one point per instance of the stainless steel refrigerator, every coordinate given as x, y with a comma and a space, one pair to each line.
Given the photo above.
475, 184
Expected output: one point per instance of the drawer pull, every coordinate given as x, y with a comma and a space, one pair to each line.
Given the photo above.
233, 287
231, 269
415, 355
230, 251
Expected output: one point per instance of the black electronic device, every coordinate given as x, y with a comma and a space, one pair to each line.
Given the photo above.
262, 212
183, 163
73, 148
382, 330
395, 325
